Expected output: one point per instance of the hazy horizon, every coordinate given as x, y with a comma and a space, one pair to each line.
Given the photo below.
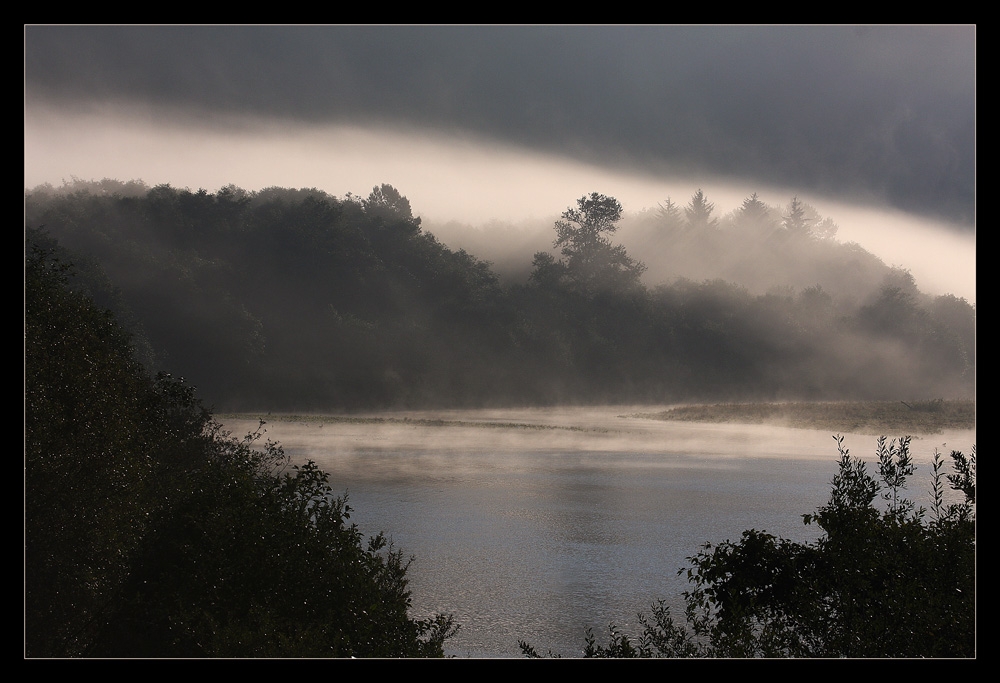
873, 126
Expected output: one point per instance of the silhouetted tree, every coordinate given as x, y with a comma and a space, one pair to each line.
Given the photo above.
385, 201
593, 263
796, 222
699, 212
754, 215
149, 532
669, 216
99, 436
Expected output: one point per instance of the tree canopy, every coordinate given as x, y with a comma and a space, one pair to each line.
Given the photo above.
593, 263
293, 299
699, 212
142, 517
150, 532
796, 222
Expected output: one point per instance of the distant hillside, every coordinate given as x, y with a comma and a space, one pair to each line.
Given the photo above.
294, 299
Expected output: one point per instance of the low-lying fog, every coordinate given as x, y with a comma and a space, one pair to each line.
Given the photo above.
584, 430
534, 524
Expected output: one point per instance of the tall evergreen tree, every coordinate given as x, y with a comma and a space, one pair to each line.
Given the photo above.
669, 215
796, 222
699, 212
754, 215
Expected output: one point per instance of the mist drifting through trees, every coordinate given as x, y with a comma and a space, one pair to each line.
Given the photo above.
669, 257
295, 299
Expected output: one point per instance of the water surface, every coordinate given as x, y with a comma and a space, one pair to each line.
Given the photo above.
535, 524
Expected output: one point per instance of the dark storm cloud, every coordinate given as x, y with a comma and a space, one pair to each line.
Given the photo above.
884, 113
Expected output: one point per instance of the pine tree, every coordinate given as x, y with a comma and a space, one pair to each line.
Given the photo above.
796, 222
699, 212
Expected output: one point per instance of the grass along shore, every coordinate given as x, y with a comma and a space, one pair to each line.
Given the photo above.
860, 417
409, 421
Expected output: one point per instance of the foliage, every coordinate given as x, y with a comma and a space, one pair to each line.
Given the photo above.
699, 212
593, 262
297, 300
755, 216
882, 581
255, 561
385, 201
149, 532
98, 434
669, 216
796, 222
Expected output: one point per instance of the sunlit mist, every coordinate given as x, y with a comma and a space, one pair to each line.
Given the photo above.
447, 179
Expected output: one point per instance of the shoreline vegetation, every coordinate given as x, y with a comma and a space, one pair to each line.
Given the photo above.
150, 531
860, 417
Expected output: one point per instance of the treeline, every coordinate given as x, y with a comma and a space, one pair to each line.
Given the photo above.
151, 533
295, 299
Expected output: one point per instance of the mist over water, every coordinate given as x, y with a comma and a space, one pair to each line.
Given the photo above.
537, 523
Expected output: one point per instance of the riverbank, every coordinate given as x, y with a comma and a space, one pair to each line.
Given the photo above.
859, 417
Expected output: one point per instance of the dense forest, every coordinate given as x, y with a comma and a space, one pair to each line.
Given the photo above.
151, 532
294, 299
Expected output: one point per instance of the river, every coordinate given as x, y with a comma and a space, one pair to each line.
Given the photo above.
534, 524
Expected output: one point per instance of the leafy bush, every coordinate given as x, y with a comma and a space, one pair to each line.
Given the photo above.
258, 559
885, 580
98, 436
150, 532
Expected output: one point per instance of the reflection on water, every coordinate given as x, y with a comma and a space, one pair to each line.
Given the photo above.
549, 521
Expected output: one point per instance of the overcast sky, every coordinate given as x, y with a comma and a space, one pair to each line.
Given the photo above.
478, 122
